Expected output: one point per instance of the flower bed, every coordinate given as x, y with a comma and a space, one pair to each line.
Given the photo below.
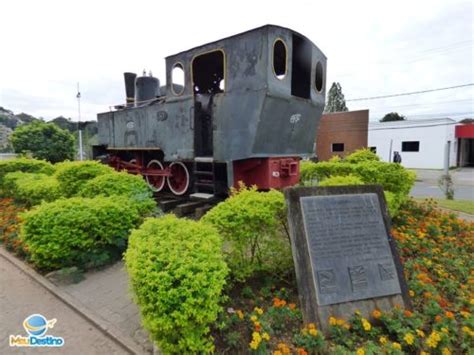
436, 249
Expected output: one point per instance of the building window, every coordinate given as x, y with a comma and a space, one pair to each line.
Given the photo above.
411, 146
373, 149
338, 147
279, 59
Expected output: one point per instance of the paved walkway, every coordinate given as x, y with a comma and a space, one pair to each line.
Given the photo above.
21, 296
106, 293
427, 183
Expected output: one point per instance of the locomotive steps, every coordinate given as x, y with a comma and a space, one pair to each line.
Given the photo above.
193, 206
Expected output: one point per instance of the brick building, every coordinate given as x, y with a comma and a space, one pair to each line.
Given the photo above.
341, 133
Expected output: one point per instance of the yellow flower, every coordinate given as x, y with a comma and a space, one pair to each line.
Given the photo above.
424, 353
383, 340
366, 324
332, 321
311, 326
409, 338
445, 330
256, 340
266, 336
396, 345
258, 310
420, 333
313, 332
412, 293
256, 335
446, 351
360, 351
277, 352
253, 318
340, 322
240, 314
465, 314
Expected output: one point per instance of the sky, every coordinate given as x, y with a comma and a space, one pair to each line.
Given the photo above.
373, 48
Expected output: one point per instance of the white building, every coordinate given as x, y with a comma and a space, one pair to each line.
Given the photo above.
422, 144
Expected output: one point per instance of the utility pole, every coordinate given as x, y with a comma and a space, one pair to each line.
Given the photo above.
78, 96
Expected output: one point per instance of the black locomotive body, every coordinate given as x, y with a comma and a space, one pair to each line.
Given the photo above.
248, 111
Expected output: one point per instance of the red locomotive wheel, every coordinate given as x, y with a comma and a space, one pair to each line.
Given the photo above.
178, 182
156, 183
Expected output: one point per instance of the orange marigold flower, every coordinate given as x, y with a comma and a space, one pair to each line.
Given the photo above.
438, 318
302, 351
292, 306
407, 313
376, 314
449, 315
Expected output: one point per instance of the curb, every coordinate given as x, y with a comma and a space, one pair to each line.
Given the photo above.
105, 327
462, 215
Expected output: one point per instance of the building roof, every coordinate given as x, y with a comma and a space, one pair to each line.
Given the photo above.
412, 123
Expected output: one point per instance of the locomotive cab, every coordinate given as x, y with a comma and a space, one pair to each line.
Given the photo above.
247, 111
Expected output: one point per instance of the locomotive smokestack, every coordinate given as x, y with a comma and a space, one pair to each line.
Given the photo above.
130, 88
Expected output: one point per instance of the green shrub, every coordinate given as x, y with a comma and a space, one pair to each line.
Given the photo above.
323, 170
177, 274
124, 184
394, 178
78, 231
43, 141
394, 202
255, 239
341, 181
25, 165
361, 156
31, 188
72, 175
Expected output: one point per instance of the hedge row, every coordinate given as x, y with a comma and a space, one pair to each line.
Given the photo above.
366, 167
84, 210
78, 231
31, 188
24, 165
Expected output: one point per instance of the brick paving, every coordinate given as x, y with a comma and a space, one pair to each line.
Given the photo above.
106, 293
20, 296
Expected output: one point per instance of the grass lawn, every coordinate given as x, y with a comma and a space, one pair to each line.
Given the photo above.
456, 205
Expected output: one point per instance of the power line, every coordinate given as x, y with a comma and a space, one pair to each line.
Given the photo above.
410, 93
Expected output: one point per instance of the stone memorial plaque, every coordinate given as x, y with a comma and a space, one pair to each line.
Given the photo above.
344, 256
348, 247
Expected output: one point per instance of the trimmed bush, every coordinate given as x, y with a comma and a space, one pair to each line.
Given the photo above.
31, 188
322, 170
361, 155
124, 184
177, 274
72, 175
341, 181
252, 225
78, 231
25, 165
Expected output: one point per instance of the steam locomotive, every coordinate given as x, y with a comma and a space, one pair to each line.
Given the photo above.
248, 111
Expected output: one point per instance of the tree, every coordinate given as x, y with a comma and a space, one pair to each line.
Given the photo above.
393, 116
44, 141
336, 101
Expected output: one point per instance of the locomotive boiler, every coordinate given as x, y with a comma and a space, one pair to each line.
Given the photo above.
248, 111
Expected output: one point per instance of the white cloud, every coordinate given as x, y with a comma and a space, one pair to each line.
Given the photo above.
373, 48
